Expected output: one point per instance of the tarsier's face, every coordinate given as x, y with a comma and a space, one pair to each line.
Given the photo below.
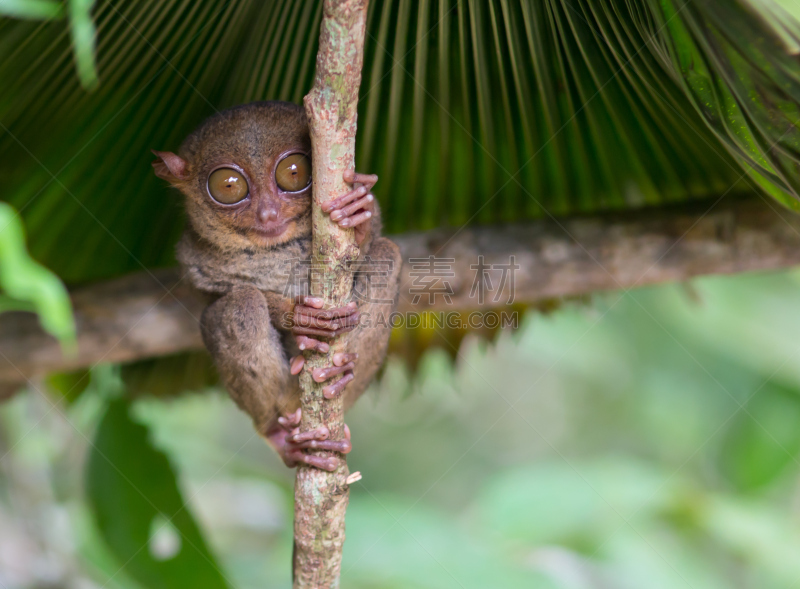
247, 176
261, 211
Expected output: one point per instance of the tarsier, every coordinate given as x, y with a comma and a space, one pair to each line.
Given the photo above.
246, 176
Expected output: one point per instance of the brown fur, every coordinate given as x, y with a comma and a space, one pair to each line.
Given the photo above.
245, 273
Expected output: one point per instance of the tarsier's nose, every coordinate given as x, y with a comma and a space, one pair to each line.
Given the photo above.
267, 214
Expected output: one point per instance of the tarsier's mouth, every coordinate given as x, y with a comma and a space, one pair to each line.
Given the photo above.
270, 232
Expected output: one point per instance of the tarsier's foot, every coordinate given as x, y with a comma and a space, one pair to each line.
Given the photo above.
310, 319
355, 208
286, 438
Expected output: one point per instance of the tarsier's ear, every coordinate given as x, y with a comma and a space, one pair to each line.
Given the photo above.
169, 166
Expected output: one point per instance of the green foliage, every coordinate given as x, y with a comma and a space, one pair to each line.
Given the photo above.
471, 111
136, 502
746, 87
83, 38
32, 9
80, 22
764, 438
70, 385
27, 285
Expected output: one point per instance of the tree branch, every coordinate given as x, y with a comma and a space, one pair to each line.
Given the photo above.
320, 497
154, 314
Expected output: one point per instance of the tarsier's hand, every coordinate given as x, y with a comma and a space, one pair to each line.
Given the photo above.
310, 319
354, 209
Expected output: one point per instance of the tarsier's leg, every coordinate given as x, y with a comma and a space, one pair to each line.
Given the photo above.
249, 355
252, 363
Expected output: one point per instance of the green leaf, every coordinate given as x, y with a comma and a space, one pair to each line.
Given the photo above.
28, 285
763, 439
140, 511
69, 385
83, 40
740, 76
32, 9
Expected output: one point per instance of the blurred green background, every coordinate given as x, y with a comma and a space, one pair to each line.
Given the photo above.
648, 439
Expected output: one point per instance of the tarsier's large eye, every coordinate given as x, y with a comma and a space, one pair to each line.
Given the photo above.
227, 186
293, 172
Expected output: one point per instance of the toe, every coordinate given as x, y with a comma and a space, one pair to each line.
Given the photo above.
323, 374
320, 433
309, 343
334, 390
340, 358
296, 365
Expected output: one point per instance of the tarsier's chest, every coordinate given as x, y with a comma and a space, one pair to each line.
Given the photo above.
284, 270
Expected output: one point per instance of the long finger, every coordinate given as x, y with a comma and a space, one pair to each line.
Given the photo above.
320, 433
341, 358
296, 365
329, 324
343, 446
317, 322
367, 203
348, 309
334, 390
308, 301
329, 464
323, 374
297, 331
309, 343
355, 178
340, 201
291, 420
356, 219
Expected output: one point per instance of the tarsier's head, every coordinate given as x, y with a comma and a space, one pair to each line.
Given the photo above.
246, 174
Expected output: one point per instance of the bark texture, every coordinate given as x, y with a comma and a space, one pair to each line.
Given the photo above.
144, 315
321, 497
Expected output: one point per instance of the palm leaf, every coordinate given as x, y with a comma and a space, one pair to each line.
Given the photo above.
471, 111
